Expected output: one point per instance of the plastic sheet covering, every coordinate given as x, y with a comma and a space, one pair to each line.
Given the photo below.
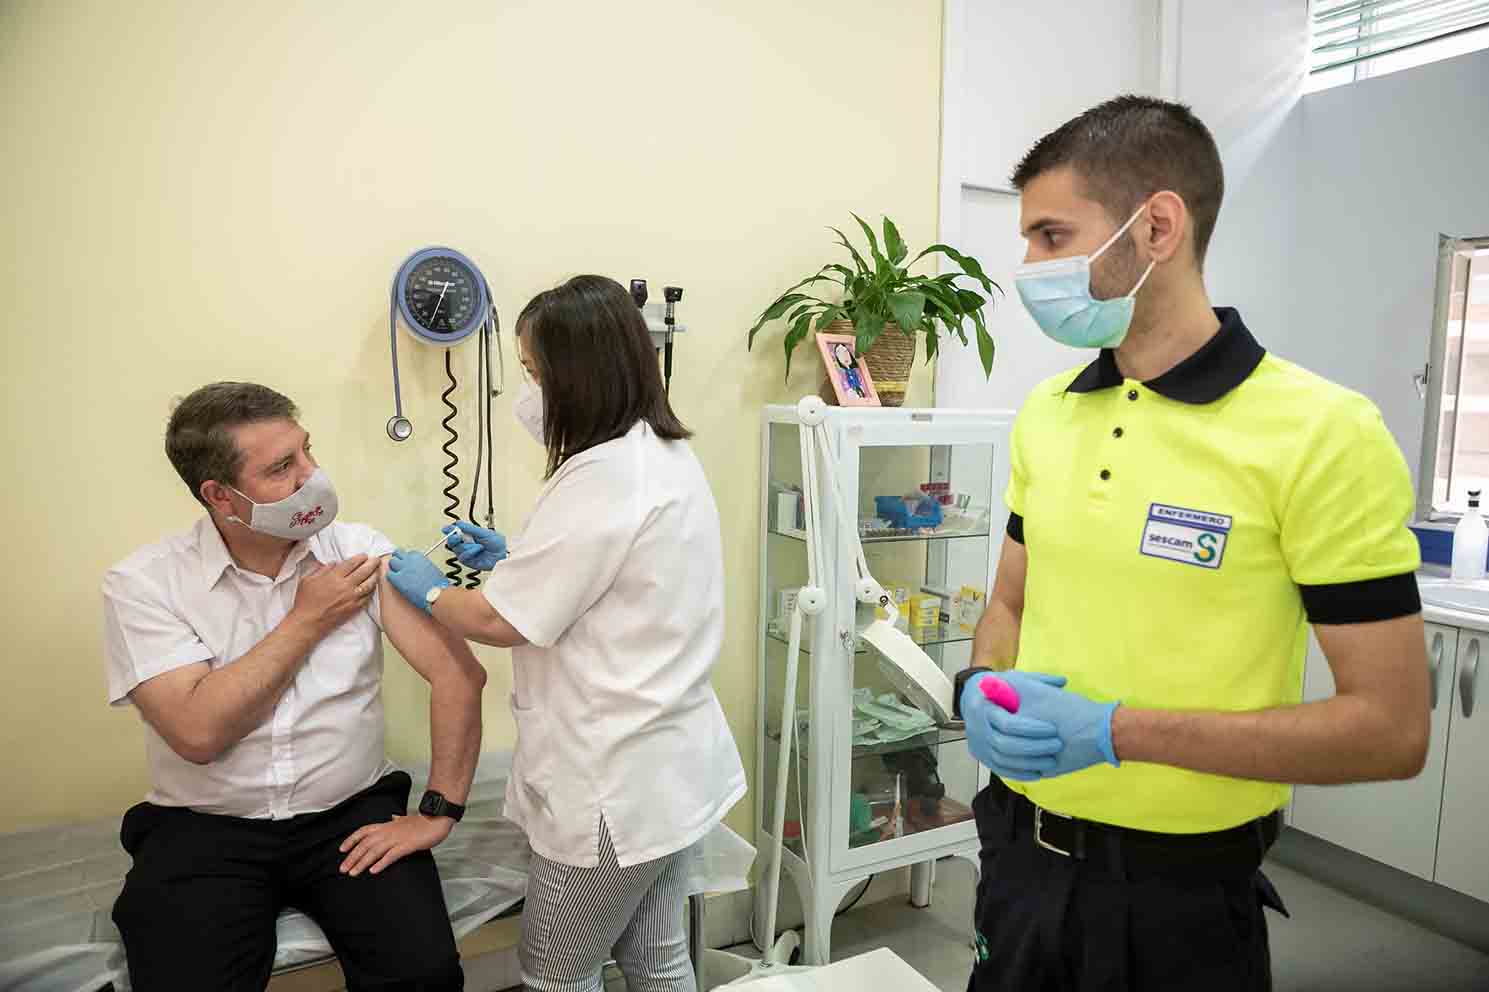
58, 886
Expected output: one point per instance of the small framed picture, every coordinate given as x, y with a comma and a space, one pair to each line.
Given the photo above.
850, 378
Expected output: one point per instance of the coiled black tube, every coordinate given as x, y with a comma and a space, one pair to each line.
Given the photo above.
452, 501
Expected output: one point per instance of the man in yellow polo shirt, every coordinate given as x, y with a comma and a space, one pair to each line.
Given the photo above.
1182, 508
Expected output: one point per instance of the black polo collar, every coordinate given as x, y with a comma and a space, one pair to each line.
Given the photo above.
1222, 364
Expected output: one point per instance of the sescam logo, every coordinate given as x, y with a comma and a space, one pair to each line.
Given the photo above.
1190, 537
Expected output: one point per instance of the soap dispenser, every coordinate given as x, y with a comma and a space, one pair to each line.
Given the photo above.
1470, 542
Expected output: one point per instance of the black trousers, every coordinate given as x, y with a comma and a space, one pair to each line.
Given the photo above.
199, 904
1149, 923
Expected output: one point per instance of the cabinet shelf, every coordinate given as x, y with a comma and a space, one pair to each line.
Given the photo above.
956, 535
924, 636
952, 733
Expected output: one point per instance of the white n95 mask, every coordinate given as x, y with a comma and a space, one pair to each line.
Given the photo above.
1057, 295
302, 514
528, 409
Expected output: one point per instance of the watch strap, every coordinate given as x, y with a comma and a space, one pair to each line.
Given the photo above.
435, 804
960, 684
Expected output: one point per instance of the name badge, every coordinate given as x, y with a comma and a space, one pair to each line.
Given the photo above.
1190, 537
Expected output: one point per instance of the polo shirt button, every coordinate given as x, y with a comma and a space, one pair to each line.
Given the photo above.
1117, 432
1106, 474
1132, 394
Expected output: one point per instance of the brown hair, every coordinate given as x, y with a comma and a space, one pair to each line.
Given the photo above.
198, 437
1131, 147
597, 366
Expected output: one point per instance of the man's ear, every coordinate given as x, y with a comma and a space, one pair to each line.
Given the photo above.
217, 497
1167, 226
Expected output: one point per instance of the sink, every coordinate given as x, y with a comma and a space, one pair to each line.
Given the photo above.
1467, 597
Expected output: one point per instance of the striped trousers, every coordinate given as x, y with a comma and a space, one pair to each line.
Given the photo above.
576, 919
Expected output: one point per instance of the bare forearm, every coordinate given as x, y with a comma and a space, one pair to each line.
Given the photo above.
469, 614
454, 735
456, 679
230, 702
996, 643
1333, 741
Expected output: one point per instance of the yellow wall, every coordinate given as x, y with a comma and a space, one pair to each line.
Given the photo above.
202, 191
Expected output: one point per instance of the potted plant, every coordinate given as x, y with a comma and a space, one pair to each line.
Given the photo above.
879, 292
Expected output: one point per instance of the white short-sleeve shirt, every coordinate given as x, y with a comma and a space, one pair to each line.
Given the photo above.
617, 582
184, 600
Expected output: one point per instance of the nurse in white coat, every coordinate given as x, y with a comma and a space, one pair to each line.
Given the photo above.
612, 600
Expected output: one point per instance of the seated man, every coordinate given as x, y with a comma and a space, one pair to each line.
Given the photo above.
250, 645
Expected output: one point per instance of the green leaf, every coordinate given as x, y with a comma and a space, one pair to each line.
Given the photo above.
827, 316
805, 307
948, 315
783, 304
908, 308
795, 336
868, 232
867, 326
893, 243
968, 301
842, 270
863, 267
932, 342
942, 299
969, 264
774, 311
985, 349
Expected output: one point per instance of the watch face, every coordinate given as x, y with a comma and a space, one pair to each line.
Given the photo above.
430, 805
442, 293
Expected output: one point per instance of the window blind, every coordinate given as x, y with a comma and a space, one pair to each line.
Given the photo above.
1357, 31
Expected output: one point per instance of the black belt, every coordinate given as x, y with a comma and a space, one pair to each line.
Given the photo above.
1123, 852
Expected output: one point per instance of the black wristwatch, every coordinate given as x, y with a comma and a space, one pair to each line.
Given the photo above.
435, 804
961, 683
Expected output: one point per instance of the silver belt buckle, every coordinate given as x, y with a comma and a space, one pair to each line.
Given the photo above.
1039, 814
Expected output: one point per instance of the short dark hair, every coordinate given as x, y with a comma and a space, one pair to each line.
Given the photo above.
597, 366
1131, 147
198, 437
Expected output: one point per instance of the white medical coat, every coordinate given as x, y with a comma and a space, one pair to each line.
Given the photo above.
617, 582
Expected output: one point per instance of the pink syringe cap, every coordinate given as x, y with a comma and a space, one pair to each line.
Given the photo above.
999, 693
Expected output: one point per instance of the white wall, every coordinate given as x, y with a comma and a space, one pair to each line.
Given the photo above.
1247, 95
1330, 246
1014, 72
1243, 92
1031, 67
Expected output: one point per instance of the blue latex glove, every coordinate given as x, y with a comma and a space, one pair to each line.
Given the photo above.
413, 575
1012, 745
1084, 725
476, 547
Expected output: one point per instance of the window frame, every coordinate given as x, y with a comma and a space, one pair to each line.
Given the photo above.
1448, 248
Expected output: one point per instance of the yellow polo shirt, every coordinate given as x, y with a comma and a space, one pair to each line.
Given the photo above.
1181, 534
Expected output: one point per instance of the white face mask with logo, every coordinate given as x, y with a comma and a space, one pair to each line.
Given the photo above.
302, 514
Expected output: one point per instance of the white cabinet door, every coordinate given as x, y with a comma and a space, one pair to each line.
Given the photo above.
1463, 845
1393, 822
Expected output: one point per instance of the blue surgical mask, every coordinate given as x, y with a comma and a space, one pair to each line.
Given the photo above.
1057, 295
